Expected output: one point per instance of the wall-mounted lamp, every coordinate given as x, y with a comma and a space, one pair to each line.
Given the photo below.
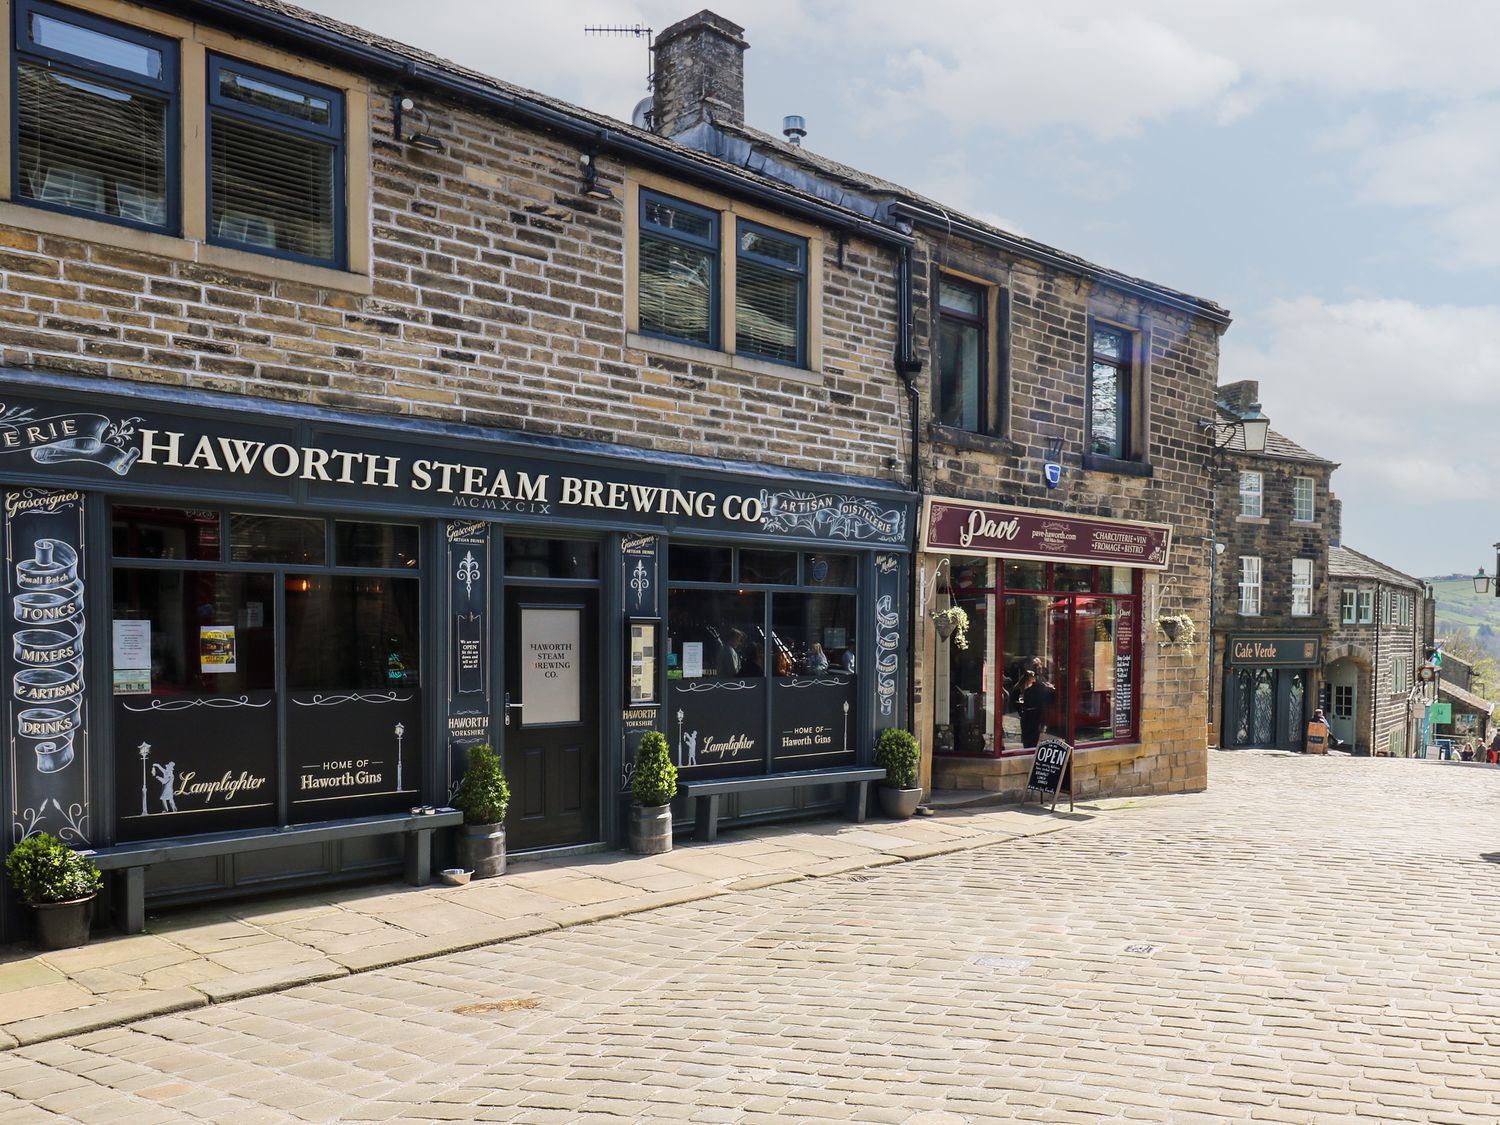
591, 186
1253, 425
405, 112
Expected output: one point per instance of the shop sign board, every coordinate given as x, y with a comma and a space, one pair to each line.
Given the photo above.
815, 721
159, 445
1052, 771
960, 526
1442, 714
467, 558
1295, 650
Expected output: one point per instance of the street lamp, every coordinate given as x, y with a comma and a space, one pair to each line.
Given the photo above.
1482, 581
1253, 426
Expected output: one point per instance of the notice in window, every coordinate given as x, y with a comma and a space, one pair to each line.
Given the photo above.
132, 657
216, 649
692, 660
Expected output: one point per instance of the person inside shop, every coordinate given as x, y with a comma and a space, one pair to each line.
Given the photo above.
849, 667
729, 661
1034, 700
817, 659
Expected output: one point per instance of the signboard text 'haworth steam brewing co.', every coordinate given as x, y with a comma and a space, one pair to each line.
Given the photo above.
157, 445
991, 529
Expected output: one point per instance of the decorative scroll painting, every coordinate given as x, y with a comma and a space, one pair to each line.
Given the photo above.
468, 561
887, 639
48, 720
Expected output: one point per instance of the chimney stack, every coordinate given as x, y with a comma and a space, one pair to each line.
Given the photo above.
700, 74
1335, 521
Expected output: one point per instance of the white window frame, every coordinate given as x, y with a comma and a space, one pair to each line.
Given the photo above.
1385, 607
1252, 494
1347, 612
1250, 585
1302, 587
1366, 607
1304, 500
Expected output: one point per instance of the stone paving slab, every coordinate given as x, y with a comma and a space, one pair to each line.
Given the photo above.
201, 956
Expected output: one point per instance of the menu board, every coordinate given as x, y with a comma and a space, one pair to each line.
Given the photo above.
641, 662
1124, 681
468, 543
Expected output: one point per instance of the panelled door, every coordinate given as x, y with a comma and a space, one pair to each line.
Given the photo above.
552, 716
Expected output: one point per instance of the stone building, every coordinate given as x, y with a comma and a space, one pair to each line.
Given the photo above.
359, 408
1376, 644
1275, 515
1054, 413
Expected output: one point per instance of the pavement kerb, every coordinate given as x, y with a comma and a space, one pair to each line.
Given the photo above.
114, 1013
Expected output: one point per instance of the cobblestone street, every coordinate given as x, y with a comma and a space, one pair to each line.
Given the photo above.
1312, 940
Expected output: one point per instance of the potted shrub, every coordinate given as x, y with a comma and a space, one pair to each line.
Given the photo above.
896, 752
952, 622
59, 884
653, 784
483, 797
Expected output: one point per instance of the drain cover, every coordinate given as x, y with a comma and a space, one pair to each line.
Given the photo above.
516, 1003
1012, 964
1140, 949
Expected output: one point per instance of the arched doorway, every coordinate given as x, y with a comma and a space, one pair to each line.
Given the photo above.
1343, 700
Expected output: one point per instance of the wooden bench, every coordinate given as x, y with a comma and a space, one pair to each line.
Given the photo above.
703, 796
133, 859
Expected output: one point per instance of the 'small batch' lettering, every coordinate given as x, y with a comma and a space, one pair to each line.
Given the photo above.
172, 449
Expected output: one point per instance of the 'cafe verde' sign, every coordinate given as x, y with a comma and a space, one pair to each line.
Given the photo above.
1295, 651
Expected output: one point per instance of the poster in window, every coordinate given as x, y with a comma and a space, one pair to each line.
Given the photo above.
551, 679
641, 661
132, 657
216, 652
692, 660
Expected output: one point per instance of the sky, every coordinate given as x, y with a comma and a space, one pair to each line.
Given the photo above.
1328, 170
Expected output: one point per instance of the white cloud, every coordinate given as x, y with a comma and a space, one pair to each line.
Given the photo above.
1405, 397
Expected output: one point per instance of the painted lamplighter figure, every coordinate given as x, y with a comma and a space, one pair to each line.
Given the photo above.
400, 730
679, 736
846, 725
145, 752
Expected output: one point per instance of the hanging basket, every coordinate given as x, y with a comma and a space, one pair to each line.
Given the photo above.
944, 625
1178, 629
953, 623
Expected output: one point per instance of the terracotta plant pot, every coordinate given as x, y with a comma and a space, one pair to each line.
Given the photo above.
481, 849
63, 925
899, 804
650, 829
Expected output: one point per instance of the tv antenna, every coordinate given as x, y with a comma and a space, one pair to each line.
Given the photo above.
635, 31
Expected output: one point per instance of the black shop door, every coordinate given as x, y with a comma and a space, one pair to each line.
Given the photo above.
552, 716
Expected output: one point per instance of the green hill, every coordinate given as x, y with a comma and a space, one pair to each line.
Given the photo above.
1461, 610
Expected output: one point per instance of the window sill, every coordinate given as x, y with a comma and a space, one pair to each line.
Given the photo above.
1258, 520
968, 439
696, 354
1305, 523
168, 246
1093, 463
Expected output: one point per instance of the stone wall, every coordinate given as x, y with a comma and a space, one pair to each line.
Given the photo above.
1049, 313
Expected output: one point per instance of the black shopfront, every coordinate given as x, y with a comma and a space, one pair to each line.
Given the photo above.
229, 616
1269, 689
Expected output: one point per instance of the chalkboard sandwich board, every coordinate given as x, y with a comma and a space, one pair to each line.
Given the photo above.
1051, 770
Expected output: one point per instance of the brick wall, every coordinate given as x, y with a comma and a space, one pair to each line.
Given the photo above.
498, 299
1049, 314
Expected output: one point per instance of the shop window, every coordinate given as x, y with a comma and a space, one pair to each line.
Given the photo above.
717, 633
166, 533
679, 270
770, 295
769, 567
391, 546
1110, 390
1302, 499
277, 539
95, 117
528, 557
1037, 663
823, 569
964, 399
1251, 487
812, 634
290, 204
687, 563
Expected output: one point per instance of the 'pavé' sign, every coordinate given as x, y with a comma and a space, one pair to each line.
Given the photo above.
1021, 533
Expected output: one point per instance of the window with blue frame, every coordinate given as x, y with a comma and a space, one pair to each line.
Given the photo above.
276, 163
679, 270
95, 117
770, 295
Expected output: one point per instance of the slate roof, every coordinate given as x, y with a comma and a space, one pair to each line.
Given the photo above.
1468, 698
781, 150
1345, 562
1277, 445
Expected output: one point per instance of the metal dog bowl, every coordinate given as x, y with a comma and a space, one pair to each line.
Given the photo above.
455, 876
